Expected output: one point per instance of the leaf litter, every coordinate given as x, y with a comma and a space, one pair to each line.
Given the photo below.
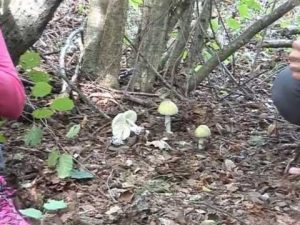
237, 180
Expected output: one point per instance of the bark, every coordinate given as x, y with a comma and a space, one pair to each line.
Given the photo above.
181, 39
92, 37
153, 42
240, 41
104, 39
200, 33
23, 22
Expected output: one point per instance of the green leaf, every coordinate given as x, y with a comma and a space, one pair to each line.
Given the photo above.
2, 138
244, 11
41, 89
73, 132
174, 34
135, 3
65, 166
53, 205
253, 4
206, 55
32, 213
62, 104
34, 136
38, 76
198, 67
185, 54
42, 113
53, 158
215, 24
233, 24
79, 175
30, 60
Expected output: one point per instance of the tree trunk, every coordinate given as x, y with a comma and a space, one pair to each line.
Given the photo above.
104, 40
181, 39
23, 22
92, 37
153, 42
200, 33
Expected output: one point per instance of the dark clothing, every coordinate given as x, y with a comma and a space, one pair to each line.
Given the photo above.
286, 96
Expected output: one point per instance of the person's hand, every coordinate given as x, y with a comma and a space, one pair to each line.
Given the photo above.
294, 59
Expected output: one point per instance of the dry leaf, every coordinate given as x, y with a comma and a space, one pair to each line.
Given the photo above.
126, 197
161, 144
229, 164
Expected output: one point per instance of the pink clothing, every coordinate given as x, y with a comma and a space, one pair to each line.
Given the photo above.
12, 95
8, 213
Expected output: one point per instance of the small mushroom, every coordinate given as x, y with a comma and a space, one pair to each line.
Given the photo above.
168, 109
202, 132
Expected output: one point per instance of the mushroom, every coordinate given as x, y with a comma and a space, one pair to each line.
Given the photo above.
122, 125
120, 128
131, 118
168, 109
202, 132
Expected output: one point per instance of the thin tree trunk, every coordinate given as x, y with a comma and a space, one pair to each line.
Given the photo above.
153, 41
181, 39
198, 40
104, 39
92, 37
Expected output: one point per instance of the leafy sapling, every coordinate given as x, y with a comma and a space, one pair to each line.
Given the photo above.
168, 109
202, 133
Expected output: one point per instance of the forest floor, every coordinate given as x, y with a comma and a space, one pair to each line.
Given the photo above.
238, 179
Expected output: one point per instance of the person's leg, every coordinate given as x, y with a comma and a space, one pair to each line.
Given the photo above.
286, 96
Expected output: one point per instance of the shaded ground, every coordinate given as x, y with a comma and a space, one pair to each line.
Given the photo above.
238, 179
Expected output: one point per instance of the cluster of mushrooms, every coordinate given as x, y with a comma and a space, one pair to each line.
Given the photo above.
124, 123
168, 108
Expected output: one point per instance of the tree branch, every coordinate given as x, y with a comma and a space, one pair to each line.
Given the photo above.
281, 43
240, 41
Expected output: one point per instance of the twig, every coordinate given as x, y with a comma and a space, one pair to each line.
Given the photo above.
259, 47
228, 37
63, 53
160, 77
142, 102
108, 187
243, 84
129, 92
62, 74
223, 212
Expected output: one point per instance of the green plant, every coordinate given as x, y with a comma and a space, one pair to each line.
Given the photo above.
50, 205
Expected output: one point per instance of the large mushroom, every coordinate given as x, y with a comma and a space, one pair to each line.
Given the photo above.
168, 109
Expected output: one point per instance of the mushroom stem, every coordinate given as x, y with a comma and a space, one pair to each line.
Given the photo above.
168, 124
200, 143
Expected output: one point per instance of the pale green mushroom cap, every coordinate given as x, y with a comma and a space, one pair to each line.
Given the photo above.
167, 108
202, 131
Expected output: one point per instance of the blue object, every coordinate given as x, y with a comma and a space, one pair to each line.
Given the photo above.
286, 96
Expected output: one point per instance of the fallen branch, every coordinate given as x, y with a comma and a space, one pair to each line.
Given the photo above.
240, 41
281, 43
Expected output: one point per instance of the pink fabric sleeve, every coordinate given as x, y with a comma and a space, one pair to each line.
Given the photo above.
12, 95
